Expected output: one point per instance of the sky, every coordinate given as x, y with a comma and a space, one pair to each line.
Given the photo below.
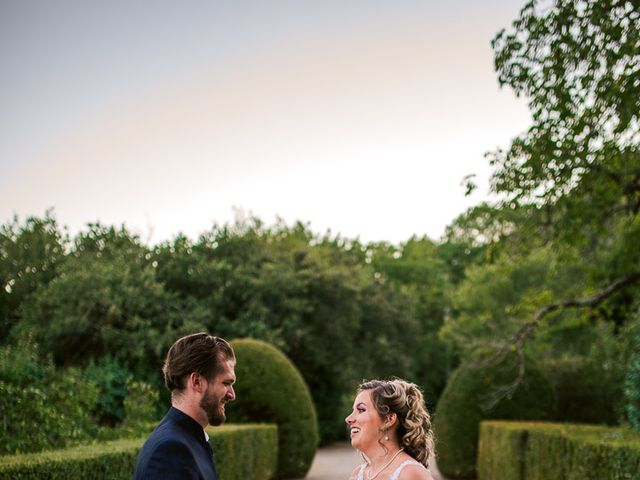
360, 117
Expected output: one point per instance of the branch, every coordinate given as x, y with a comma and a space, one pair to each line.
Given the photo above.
528, 329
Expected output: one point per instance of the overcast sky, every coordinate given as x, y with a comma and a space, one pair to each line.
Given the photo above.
357, 116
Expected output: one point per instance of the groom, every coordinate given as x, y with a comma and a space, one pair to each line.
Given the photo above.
199, 372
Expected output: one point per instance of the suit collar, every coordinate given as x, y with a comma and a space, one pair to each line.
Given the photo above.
188, 423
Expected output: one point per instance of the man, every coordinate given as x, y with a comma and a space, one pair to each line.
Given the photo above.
200, 372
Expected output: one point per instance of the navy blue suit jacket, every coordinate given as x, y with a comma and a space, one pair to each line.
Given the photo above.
177, 449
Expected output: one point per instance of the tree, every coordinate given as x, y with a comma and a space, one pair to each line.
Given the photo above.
562, 239
423, 272
577, 168
30, 256
104, 300
577, 62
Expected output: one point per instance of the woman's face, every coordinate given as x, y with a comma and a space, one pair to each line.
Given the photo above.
364, 423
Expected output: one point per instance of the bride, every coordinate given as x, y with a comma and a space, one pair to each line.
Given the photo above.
391, 427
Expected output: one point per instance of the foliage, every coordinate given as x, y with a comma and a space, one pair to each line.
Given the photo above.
42, 408
30, 255
583, 392
271, 389
550, 451
109, 461
466, 401
105, 300
111, 378
586, 365
115, 459
577, 64
495, 299
569, 186
245, 451
140, 406
501, 450
422, 273
110, 296
632, 382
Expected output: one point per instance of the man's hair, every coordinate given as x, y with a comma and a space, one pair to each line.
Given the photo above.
201, 353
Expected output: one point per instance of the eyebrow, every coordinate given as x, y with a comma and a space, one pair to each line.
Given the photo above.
361, 404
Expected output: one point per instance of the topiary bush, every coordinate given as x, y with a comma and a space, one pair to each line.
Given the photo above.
556, 451
271, 389
463, 405
244, 452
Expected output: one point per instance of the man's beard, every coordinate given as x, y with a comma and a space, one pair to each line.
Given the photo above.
213, 408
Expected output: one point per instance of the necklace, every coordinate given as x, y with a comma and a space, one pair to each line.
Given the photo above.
386, 465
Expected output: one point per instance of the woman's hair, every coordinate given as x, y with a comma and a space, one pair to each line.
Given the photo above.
405, 399
199, 352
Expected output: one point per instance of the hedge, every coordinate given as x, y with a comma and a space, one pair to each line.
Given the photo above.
242, 452
271, 389
557, 451
245, 451
460, 408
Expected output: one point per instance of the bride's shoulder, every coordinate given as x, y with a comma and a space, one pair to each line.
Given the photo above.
415, 471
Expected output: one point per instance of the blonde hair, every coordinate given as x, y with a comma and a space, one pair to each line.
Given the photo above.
405, 399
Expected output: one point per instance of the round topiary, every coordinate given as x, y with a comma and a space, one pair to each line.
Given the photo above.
270, 388
465, 402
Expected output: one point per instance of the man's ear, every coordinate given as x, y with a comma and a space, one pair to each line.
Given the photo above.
196, 382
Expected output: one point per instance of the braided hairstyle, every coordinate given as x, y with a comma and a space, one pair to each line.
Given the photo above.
405, 399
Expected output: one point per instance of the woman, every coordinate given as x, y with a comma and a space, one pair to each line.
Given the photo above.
391, 427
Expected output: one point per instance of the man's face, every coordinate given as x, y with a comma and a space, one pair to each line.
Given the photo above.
219, 392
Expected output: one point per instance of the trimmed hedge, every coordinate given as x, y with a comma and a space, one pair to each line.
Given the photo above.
460, 411
242, 452
110, 460
271, 389
555, 451
245, 451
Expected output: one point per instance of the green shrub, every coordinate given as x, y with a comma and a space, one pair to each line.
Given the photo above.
463, 405
632, 385
111, 377
270, 389
42, 408
501, 450
554, 451
110, 460
243, 452
583, 391
140, 406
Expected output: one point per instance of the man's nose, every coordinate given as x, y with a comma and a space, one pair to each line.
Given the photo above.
231, 394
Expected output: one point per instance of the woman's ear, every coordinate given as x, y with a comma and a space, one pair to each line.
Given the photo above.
392, 419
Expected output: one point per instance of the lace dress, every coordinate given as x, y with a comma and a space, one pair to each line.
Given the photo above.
396, 472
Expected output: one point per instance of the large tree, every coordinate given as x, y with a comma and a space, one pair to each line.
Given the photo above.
566, 228
578, 63
577, 168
